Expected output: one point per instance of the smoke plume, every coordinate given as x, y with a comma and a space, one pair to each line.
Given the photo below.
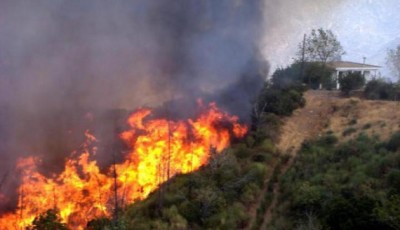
67, 66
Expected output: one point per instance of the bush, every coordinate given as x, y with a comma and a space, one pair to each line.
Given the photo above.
346, 186
394, 142
393, 179
280, 102
349, 131
348, 212
328, 140
287, 77
351, 81
380, 90
316, 74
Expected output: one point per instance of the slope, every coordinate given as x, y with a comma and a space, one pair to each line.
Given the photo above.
328, 113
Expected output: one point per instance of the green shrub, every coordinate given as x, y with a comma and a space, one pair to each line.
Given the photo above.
351, 81
327, 140
378, 89
393, 179
316, 74
242, 152
349, 131
394, 142
389, 211
267, 146
281, 102
266, 127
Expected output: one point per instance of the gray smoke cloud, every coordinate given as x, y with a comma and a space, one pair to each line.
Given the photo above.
61, 62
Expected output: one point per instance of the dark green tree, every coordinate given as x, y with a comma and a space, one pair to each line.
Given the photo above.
351, 81
319, 47
316, 73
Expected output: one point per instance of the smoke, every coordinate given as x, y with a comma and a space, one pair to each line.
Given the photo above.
286, 22
66, 66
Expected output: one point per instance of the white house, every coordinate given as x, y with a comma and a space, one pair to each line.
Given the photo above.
344, 67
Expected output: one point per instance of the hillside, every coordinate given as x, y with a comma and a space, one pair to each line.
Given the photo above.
329, 147
327, 112
342, 171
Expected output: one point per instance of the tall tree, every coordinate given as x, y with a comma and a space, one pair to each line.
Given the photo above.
320, 46
393, 61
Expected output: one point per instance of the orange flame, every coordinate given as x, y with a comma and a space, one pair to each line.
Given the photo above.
160, 149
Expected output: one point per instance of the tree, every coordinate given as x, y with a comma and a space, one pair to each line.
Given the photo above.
317, 48
320, 46
393, 60
351, 82
317, 73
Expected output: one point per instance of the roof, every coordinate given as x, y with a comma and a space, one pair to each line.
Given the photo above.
351, 65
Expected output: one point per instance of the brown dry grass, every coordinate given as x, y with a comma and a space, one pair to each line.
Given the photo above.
380, 118
306, 122
326, 111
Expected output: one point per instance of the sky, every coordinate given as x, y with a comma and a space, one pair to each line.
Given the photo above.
365, 28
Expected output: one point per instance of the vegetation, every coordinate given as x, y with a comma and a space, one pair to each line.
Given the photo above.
378, 89
311, 74
49, 220
317, 74
351, 81
280, 102
320, 46
353, 185
310, 67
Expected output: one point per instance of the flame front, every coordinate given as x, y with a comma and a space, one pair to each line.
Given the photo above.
159, 149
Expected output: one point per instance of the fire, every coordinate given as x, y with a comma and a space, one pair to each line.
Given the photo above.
159, 149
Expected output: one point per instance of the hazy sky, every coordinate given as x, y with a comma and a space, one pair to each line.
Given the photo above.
366, 28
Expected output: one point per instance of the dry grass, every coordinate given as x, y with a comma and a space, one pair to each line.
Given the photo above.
307, 122
326, 111
381, 118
